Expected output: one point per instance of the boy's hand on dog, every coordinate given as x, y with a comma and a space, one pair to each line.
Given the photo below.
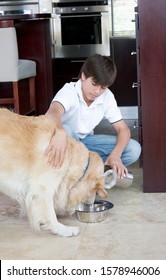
56, 149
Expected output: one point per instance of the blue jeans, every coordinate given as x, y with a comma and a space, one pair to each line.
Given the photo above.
103, 144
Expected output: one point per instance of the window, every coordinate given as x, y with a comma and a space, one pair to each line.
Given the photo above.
121, 17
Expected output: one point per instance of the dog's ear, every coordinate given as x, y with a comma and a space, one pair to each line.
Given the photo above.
97, 184
101, 191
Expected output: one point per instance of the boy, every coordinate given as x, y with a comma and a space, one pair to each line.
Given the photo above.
79, 107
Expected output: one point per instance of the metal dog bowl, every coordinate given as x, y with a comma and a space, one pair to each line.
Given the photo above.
93, 213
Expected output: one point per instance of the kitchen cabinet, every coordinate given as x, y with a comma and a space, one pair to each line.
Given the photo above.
65, 70
151, 48
122, 50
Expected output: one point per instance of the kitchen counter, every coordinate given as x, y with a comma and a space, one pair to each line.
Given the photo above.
24, 16
34, 42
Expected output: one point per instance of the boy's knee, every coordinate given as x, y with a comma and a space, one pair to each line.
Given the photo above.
135, 149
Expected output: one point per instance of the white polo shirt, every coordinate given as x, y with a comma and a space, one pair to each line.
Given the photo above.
83, 118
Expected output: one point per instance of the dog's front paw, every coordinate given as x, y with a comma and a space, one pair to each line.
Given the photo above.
66, 231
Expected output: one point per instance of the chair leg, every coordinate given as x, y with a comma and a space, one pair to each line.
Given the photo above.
16, 98
32, 93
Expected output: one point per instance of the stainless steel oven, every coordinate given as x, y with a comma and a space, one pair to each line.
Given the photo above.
80, 28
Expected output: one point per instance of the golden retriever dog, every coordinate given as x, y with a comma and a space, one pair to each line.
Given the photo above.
42, 191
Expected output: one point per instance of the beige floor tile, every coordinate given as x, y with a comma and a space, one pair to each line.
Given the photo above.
17, 241
123, 241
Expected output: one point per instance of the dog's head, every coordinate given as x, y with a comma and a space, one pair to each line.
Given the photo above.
90, 184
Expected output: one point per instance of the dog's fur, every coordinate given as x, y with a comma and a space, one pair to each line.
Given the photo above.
45, 192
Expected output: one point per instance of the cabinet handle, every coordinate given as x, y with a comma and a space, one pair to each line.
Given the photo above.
133, 53
135, 125
74, 78
135, 85
75, 61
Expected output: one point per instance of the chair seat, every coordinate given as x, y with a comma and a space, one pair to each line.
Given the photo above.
25, 69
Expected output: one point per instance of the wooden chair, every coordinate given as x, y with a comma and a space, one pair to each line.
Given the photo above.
13, 69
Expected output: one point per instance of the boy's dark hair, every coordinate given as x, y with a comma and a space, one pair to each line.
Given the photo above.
101, 68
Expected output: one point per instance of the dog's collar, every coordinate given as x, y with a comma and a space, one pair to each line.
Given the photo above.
85, 170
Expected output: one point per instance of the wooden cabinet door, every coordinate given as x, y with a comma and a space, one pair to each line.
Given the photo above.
121, 52
152, 37
65, 71
34, 43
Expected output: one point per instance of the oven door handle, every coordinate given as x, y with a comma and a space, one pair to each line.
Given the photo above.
81, 16
13, 12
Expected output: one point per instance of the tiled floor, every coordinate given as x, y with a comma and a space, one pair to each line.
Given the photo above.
134, 229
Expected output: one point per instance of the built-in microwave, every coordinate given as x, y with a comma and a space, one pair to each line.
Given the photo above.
80, 28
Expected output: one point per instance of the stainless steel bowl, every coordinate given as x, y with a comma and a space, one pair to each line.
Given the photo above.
93, 213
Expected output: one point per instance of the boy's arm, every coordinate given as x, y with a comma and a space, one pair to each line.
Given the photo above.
114, 159
56, 149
